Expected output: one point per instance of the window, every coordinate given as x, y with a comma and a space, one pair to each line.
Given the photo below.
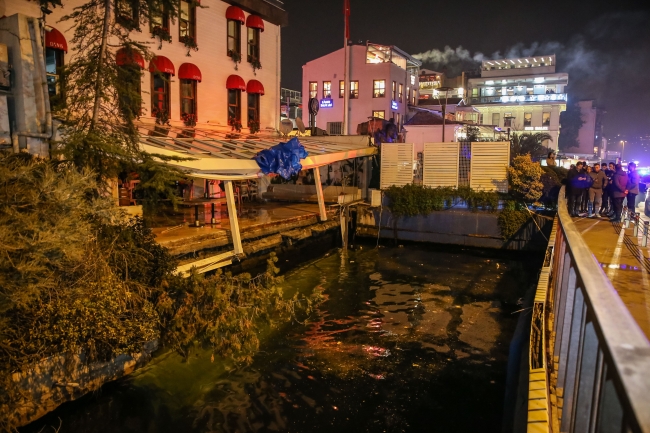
253, 108
160, 93
378, 88
159, 20
496, 117
400, 93
126, 13
313, 89
234, 104
380, 114
507, 120
408, 92
234, 38
130, 89
354, 90
398, 122
414, 97
188, 97
187, 21
327, 89
53, 70
394, 91
341, 89
253, 45
546, 119
528, 119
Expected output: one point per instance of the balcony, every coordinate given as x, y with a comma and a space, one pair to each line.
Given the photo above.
518, 99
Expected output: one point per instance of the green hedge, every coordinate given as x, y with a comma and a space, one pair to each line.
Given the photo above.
413, 200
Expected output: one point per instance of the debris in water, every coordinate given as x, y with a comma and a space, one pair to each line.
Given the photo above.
377, 376
377, 351
212, 358
351, 261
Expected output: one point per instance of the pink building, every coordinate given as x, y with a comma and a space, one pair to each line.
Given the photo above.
383, 82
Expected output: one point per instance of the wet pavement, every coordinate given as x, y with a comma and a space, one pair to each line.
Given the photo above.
175, 226
625, 262
412, 339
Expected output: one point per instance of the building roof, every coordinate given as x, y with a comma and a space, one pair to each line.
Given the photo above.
215, 156
427, 117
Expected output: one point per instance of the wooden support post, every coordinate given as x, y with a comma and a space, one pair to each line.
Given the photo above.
319, 194
232, 215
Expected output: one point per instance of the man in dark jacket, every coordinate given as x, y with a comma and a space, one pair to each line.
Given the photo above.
609, 172
599, 182
577, 182
632, 187
618, 192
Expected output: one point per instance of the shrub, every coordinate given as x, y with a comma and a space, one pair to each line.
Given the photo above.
524, 179
511, 219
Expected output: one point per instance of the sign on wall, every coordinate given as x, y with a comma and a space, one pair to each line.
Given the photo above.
326, 103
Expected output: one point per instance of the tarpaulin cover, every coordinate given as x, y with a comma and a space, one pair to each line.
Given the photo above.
283, 159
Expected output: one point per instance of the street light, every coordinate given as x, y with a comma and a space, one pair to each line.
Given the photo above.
444, 107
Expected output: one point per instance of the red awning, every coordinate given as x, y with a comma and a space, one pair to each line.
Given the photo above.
255, 86
129, 57
162, 64
255, 22
235, 82
189, 71
235, 13
55, 39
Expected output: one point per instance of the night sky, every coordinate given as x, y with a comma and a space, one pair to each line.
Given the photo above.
603, 45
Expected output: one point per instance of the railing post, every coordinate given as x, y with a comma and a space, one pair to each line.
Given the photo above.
644, 242
624, 213
636, 225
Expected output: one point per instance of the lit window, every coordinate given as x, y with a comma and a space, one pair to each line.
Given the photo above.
546, 119
341, 89
234, 38
253, 108
327, 89
354, 90
234, 105
378, 88
253, 45
159, 21
528, 119
394, 91
187, 21
188, 98
400, 92
313, 89
380, 114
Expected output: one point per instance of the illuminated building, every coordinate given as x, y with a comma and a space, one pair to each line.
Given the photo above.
524, 94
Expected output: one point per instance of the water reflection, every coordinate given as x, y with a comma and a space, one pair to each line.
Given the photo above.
411, 339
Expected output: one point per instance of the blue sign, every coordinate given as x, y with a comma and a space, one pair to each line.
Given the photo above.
394, 105
326, 103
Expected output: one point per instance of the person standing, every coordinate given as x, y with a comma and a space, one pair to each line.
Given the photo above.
632, 187
609, 172
575, 182
599, 182
584, 200
618, 192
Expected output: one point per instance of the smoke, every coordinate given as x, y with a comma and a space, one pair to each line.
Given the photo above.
449, 56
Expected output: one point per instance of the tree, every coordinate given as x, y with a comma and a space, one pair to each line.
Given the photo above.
527, 143
524, 178
570, 123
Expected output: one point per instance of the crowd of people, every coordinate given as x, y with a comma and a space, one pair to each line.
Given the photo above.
594, 191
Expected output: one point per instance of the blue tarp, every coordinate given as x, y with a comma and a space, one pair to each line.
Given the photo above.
283, 159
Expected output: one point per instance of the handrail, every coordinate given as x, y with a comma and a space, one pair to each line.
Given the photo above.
624, 346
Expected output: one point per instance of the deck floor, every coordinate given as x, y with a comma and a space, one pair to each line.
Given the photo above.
625, 262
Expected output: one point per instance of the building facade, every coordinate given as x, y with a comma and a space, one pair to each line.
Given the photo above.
524, 95
205, 84
590, 136
383, 83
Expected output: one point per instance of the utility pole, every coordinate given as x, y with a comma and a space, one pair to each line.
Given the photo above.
444, 108
346, 68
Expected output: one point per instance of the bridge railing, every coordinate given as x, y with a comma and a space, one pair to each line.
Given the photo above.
589, 359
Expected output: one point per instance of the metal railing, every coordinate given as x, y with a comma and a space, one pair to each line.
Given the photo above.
509, 99
596, 359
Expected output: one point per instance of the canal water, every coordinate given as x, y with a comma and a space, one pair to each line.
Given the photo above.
412, 339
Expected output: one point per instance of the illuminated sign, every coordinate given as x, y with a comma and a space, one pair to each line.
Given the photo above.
326, 103
394, 105
536, 128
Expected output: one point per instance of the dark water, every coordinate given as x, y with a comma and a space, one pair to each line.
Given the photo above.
409, 339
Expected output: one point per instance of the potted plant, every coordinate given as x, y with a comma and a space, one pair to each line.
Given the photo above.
162, 33
190, 43
255, 63
189, 120
235, 126
161, 128
254, 126
235, 56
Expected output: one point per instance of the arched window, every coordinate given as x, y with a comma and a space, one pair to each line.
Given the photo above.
235, 85
189, 75
255, 26
129, 74
162, 69
255, 90
236, 18
55, 48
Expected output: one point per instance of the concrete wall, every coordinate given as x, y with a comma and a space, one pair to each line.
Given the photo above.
587, 133
453, 226
330, 68
211, 58
420, 134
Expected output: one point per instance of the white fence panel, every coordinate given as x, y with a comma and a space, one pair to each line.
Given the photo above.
489, 166
440, 165
396, 164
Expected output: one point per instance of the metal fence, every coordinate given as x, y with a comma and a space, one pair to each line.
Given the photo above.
589, 359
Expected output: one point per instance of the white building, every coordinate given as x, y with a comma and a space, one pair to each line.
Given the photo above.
383, 83
524, 94
206, 83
